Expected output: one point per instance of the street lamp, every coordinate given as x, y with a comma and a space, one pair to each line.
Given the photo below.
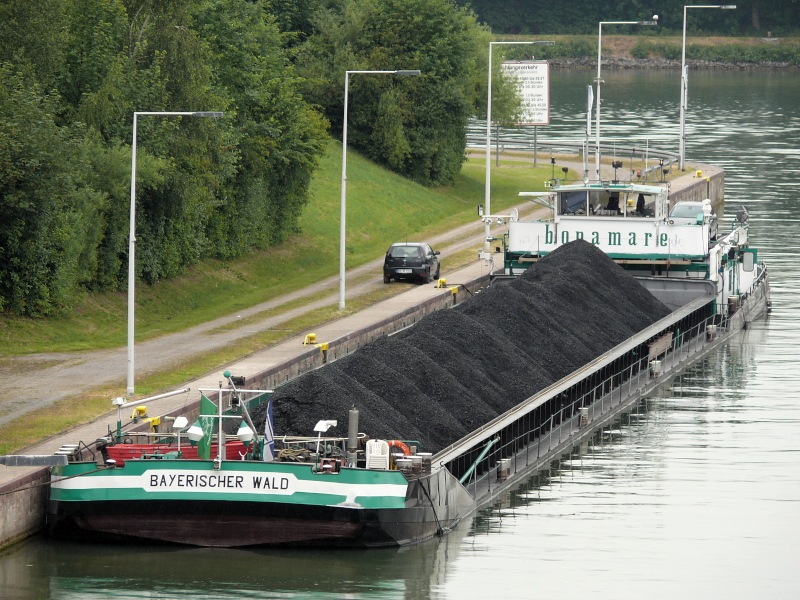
685, 79
487, 199
132, 234
599, 81
342, 228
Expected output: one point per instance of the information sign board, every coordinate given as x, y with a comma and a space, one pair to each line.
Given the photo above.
533, 84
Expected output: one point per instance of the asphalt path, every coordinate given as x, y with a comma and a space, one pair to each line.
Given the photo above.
35, 381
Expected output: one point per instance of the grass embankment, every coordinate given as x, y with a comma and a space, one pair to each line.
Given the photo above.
381, 208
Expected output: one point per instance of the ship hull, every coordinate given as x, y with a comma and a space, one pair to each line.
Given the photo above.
364, 508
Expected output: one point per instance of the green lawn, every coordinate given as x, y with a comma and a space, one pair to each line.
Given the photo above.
382, 208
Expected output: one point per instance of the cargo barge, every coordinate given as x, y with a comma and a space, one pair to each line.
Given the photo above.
371, 489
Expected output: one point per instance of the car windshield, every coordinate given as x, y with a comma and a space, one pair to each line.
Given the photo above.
405, 252
690, 212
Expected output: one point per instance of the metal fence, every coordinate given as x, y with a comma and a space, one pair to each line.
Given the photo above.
656, 162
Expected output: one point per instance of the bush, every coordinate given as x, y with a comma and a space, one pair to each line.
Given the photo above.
728, 53
642, 49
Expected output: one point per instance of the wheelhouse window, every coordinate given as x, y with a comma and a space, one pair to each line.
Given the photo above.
573, 203
607, 203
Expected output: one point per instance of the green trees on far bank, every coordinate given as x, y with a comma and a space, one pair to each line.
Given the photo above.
580, 17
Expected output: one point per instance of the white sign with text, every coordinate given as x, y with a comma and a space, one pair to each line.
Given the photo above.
533, 85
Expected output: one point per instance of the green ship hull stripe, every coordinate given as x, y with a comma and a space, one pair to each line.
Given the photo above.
236, 481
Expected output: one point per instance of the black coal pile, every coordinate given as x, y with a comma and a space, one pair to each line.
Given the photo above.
459, 368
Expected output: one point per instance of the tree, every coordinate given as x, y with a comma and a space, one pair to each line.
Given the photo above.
205, 187
414, 125
48, 214
277, 135
32, 34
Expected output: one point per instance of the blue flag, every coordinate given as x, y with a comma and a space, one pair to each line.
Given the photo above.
269, 434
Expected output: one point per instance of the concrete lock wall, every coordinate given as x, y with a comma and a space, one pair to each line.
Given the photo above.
23, 506
711, 187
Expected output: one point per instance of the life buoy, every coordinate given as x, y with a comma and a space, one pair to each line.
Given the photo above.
401, 445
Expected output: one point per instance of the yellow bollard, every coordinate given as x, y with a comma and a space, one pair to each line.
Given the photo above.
140, 412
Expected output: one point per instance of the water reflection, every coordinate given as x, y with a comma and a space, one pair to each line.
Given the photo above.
42, 568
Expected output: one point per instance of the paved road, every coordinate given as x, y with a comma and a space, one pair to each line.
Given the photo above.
66, 374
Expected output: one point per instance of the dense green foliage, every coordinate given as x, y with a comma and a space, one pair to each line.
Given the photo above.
726, 53
48, 214
752, 17
413, 125
73, 72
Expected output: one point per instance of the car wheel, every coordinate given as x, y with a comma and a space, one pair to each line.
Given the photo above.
438, 269
426, 277
386, 279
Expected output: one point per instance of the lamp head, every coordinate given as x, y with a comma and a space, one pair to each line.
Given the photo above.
195, 433
323, 426
245, 434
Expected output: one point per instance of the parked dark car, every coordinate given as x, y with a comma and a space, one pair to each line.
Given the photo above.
410, 261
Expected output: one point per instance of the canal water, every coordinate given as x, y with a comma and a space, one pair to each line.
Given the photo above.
694, 494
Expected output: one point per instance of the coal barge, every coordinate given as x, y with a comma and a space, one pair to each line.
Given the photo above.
591, 323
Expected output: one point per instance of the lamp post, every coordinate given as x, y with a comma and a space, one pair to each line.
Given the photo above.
487, 196
132, 234
685, 79
343, 204
599, 81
